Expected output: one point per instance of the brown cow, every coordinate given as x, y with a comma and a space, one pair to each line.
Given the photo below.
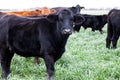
36, 12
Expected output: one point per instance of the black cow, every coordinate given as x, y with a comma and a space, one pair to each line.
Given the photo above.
96, 22
113, 28
75, 10
44, 37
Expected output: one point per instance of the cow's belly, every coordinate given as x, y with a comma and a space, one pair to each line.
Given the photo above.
28, 53
27, 50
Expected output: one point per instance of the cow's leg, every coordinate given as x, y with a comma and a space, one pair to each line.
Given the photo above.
108, 41
101, 31
93, 29
114, 40
6, 57
37, 61
49, 61
109, 35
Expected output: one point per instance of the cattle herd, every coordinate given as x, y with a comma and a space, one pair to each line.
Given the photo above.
45, 35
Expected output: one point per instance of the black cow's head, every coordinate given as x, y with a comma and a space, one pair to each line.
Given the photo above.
76, 9
64, 20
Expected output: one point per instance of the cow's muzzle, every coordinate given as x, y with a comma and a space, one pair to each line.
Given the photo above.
67, 31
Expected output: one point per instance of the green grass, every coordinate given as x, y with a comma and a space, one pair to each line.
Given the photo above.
86, 58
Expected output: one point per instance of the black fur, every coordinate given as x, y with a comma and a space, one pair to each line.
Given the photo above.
96, 22
113, 28
44, 37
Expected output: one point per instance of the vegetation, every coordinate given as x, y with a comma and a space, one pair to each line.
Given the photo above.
86, 58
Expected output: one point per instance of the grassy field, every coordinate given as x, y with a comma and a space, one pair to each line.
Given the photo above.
86, 58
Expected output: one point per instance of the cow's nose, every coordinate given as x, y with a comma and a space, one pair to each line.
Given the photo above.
67, 31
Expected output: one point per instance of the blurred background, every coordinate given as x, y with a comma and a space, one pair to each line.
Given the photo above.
88, 4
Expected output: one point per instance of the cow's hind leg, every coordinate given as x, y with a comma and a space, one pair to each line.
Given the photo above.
109, 35
108, 41
101, 31
93, 29
37, 60
114, 40
49, 61
6, 57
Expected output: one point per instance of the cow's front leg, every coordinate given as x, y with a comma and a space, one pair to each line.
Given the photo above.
49, 61
6, 57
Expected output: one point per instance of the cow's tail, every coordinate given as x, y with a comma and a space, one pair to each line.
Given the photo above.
109, 33
109, 27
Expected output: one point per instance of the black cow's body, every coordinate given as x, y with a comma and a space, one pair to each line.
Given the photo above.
44, 37
96, 22
75, 10
113, 28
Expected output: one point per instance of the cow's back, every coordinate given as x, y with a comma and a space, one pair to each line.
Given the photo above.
3, 28
114, 18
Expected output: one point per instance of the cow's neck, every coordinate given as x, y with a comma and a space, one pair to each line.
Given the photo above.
59, 38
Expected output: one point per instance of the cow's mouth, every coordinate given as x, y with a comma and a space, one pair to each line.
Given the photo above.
67, 31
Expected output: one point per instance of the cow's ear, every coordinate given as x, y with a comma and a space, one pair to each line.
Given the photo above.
52, 17
78, 19
82, 7
75, 10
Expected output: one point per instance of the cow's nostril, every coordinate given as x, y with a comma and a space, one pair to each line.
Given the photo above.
67, 31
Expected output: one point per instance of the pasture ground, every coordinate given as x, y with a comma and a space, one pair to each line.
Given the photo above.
86, 58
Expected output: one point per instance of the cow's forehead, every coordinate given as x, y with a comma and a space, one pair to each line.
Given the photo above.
66, 13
